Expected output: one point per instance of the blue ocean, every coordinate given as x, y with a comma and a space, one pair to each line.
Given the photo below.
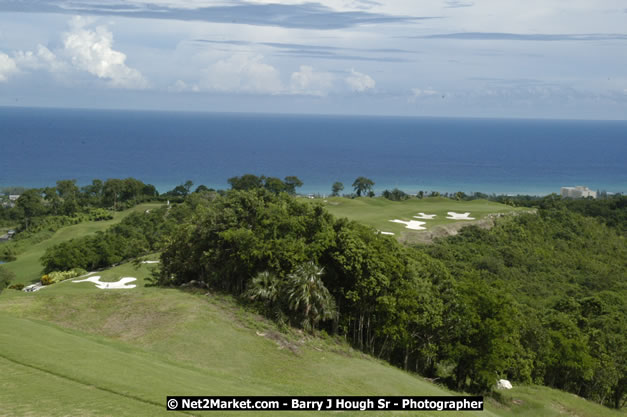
40, 146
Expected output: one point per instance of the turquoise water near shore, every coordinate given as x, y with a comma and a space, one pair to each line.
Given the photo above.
40, 146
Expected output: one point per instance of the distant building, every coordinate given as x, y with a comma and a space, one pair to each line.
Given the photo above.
11, 202
7, 236
578, 192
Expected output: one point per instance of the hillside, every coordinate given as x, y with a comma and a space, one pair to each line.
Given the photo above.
27, 267
73, 349
378, 213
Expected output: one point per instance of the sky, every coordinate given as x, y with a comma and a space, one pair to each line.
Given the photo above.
450, 58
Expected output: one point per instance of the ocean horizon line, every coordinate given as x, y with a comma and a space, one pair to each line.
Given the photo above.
300, 114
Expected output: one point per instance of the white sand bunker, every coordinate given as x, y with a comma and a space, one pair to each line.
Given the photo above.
150, 262
121, 284
425, 216
386, 233
459, 216
412, 224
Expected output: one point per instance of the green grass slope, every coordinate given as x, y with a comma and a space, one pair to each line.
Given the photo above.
377, 212
73, 349
27, 267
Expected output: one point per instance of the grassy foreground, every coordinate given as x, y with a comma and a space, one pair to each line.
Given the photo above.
73, 349
377, 212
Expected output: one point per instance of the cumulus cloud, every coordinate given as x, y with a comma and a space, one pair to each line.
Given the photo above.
310, 82
42, 58
359, 82
7, 67
92, 51
244, 73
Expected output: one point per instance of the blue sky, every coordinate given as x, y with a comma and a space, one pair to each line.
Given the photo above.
490, 58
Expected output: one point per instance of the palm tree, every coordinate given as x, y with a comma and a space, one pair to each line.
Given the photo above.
363, 186
266, 287
307, 295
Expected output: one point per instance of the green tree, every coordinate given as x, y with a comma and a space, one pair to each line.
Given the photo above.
30, 204
395, 195
291, 183
246, 182
112, 192
307, 295
336, 188
69, 193
6, 277
362, 186
265, 286
188, 186
202, 188
54, 201
67, 189
267, 289
274, 185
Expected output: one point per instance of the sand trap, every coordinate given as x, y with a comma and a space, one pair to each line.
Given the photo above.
412, 224
425, 216
504, 384
150, 262
33, 287
386, 233
459, 216
122, 283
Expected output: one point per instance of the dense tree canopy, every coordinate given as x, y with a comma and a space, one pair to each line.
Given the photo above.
272, 184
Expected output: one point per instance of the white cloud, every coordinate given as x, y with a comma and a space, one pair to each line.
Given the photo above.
244, 73
309, 82
43, 58
429, 91
422, 93
7, 67
181, 86
92, 51
360, 82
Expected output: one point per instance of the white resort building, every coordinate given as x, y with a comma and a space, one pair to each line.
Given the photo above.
578, 192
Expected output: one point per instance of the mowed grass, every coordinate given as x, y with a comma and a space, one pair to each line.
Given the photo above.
73, 349
143, 344
377, 212
27, 267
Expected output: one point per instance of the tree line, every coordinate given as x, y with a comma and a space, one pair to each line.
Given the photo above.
68, 199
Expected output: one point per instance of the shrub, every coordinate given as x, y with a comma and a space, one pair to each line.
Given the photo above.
58, 276
99, 214
5, 277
